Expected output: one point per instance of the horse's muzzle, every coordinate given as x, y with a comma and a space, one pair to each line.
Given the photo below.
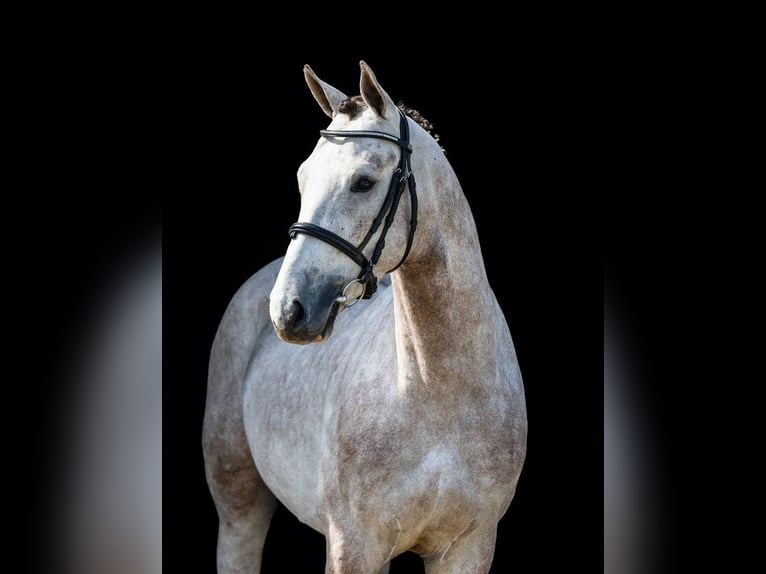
295, 321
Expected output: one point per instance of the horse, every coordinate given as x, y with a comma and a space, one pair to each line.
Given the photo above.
367, 379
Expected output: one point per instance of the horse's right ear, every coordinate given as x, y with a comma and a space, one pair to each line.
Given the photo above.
327, 97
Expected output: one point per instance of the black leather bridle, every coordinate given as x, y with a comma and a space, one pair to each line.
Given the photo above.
401, 178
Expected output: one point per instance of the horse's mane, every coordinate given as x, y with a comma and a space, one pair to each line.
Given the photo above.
355, 104
418, 118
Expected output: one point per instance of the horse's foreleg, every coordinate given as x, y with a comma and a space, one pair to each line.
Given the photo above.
349, 551
245, 507
242, 535
468, 554
244, 503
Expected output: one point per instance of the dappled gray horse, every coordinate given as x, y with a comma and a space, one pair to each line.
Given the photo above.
403, 426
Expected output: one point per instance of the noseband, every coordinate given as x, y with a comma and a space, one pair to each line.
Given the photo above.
365, 284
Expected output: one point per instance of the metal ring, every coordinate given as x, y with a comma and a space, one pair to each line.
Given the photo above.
344, 297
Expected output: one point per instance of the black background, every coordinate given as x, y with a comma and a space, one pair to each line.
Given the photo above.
516, 135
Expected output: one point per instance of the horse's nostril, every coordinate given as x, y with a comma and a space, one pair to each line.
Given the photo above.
297, 313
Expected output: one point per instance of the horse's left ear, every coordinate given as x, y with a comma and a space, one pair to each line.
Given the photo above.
373, 94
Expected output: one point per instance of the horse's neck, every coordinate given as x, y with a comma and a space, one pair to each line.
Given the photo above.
445, 309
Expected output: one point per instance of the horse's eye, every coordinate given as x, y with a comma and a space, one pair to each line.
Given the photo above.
362, 184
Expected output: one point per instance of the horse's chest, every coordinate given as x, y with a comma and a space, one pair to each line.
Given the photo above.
388, 471
395, 449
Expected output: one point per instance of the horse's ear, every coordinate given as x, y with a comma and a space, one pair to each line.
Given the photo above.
327, 97
372, 93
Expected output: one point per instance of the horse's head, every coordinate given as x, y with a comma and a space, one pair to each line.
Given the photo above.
352, 227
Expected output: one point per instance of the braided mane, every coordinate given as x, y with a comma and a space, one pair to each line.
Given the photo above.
418, 118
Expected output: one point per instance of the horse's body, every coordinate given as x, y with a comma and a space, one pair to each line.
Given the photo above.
405, 429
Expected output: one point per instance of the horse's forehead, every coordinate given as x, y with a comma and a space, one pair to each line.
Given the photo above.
353, 106
352, 154
377, 155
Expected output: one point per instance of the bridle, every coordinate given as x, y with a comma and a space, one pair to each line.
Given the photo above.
365, 285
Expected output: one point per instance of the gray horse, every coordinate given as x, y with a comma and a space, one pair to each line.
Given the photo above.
385, 411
